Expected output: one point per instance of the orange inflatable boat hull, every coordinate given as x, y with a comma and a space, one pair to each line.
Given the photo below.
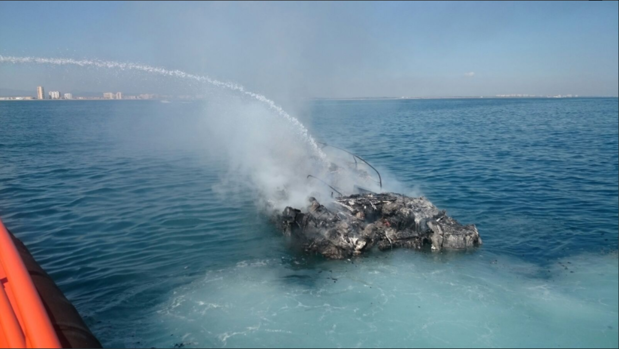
33, 311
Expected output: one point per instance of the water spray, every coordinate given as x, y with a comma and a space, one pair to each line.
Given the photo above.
178, 74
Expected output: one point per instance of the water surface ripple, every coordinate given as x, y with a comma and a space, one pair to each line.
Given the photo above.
118, 201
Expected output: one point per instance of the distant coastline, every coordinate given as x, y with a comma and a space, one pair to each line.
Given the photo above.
187, 98
162, 98
13, 99
457, 97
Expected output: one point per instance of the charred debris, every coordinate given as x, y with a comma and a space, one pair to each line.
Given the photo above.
351, 224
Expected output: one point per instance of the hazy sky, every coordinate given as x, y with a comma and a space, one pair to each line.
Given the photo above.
305, 50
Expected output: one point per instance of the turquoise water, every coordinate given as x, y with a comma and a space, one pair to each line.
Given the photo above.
122, 203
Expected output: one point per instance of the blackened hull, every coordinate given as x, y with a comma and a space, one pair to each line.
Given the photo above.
352, 225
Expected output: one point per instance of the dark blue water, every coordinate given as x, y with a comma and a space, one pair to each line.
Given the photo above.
119, 202
539, 174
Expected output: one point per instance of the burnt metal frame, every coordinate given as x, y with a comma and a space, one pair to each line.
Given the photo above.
355, 157
327, 184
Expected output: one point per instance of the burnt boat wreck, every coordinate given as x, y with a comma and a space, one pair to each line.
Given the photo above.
344, 226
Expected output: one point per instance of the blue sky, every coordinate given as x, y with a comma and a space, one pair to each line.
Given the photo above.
305, 50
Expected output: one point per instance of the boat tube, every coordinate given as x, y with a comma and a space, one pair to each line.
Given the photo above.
34, 313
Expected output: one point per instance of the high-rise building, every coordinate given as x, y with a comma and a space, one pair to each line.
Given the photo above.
119, 95
108, 95
68, 96
40, 92
54, 94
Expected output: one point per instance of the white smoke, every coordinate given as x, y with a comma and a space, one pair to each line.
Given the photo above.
268, 152
265, 156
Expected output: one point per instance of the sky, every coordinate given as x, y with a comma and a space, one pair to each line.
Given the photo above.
291, 51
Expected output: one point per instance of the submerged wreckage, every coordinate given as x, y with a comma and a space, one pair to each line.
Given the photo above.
349, 225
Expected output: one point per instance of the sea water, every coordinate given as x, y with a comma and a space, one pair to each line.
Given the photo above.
120, 202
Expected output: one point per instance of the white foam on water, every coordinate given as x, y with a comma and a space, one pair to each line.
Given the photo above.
402, 299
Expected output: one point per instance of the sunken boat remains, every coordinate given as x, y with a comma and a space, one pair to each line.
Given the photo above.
348, 225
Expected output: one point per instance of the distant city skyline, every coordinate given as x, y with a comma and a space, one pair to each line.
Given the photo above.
295, 51
57, 95
39, 94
